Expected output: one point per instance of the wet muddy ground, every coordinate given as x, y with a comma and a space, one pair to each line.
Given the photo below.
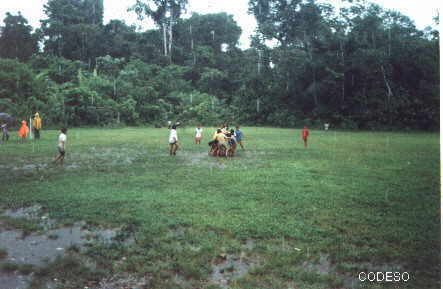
53, 240
43, 246
228, 268
121, 156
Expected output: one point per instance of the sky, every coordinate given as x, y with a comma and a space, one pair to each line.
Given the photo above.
421, 12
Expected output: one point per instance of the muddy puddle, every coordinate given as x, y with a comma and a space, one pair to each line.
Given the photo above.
242, 159
113, 156
203, 160
118, 156
38, 248
44, 246
92, 156
39, 166
14, 280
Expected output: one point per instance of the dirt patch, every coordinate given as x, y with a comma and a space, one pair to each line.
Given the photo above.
249, 244
127, 281
324, 267
227, 268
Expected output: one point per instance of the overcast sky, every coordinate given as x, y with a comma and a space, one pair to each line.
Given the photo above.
420, 11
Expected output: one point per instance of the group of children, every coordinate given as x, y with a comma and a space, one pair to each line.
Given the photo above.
23, 131
224, 141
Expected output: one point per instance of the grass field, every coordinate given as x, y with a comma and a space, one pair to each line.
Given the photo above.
280, 215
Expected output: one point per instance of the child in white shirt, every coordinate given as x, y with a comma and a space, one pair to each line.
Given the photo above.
173, 140
198, 134
61, 145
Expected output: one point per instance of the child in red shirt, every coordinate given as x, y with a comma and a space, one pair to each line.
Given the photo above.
304, 135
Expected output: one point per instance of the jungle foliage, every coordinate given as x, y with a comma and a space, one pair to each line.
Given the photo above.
364, 67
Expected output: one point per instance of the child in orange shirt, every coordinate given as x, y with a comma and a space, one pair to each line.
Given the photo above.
23, 131
304, 135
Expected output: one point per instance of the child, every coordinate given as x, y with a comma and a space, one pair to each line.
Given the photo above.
221, 140
5, 136
23, 131
198, 134
61, 145
232, 143
225, 128
173, 140
37, 125
239, 136
305, 134
213, 144
217, 131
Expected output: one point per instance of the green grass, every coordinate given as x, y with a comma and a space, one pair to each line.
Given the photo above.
358, 197
25, 225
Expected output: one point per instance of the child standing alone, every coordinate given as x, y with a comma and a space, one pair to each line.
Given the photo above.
198, 134
304, 135
61, 146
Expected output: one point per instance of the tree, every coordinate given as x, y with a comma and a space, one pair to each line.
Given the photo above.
165, 15
73, 29
217, 32
119, 39
16, 39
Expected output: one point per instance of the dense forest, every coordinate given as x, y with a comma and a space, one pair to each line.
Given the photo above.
365, 67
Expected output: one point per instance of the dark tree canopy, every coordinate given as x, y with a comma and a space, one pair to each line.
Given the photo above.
16, 38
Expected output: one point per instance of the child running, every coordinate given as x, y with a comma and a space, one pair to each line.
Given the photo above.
239, 136
304, 135
5, 132
173, 140
61, 146
198, 134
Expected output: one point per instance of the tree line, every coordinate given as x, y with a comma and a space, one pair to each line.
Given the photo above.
359, 67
